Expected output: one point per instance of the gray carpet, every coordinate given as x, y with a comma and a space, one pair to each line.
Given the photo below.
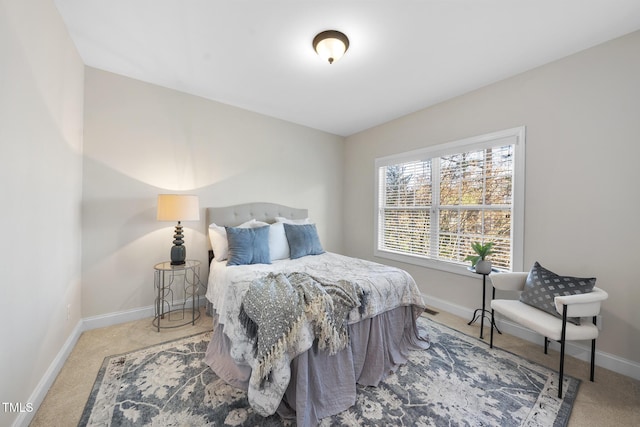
459, 381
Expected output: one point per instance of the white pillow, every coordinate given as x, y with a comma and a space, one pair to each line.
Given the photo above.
293, 221
218, 238
219, 245
278, 244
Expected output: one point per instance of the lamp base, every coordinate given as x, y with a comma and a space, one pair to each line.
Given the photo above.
178, 252
178, 255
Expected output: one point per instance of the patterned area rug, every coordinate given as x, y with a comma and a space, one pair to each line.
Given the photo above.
458, 381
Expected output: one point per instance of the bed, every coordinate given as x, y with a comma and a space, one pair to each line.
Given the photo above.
356, 322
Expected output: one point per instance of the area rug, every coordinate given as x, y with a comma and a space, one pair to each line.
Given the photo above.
459, 381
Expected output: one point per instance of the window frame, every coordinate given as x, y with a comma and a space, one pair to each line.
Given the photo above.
515, 136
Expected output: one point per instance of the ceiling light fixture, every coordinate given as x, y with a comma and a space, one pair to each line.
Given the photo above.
330, 45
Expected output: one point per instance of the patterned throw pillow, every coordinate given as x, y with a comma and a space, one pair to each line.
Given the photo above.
543, 285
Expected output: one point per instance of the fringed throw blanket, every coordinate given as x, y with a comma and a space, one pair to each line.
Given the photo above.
277, 309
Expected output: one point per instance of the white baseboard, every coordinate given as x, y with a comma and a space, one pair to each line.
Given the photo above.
603, 359
118, 317
38, 395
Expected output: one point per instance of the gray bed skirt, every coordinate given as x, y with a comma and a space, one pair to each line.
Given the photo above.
323, 385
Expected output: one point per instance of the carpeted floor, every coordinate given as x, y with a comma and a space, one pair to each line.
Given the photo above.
613, 399
458, 381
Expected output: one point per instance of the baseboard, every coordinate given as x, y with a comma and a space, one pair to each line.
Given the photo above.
605, 360
447, 306
118, 317
38, 395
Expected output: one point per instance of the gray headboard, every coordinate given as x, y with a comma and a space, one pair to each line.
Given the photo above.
235, 215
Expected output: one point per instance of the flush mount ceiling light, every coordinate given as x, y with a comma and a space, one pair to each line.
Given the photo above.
330, 45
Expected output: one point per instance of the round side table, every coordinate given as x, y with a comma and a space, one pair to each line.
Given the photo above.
175, 285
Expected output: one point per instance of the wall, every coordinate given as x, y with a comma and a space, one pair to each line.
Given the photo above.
41, 82
581, 203
142, 140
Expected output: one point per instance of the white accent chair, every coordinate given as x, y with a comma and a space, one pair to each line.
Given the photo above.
551, 327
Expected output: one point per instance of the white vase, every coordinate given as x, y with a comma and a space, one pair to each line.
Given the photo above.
483, 267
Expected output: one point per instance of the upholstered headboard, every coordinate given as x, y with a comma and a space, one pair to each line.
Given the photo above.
232, 216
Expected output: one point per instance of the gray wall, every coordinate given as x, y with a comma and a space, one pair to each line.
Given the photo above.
141, 140
581, 206
41, 84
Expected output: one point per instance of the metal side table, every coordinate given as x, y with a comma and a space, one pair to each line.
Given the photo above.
482, 313
177, 300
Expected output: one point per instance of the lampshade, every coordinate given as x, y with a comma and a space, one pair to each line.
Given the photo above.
178, 207
331, 45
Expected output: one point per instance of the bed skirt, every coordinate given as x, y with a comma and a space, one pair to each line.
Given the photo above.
323, 385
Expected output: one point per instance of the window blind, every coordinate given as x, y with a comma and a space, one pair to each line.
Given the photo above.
434, 207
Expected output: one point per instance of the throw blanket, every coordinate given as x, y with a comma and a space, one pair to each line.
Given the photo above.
274, 312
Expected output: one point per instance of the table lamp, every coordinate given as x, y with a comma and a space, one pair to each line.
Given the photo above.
178, 207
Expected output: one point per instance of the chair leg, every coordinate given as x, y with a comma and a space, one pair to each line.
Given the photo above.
562, 342
546, 344
593, 358
492, 323
593, 353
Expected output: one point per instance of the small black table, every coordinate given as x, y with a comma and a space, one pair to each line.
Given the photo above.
481, 313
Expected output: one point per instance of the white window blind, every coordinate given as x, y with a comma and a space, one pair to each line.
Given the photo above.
432, 203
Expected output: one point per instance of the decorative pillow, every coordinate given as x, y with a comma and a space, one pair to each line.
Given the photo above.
542, 286
219, 245
248, 245
278, 244
303, 240
218, 238
293, 221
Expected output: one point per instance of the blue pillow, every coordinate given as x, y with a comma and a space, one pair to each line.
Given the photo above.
248, 245
303, 240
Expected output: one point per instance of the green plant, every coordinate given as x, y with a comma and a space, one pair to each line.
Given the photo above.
482, 251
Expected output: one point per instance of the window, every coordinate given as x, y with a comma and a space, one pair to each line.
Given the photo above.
432, 203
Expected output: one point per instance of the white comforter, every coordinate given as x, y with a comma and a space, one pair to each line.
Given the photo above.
385, 288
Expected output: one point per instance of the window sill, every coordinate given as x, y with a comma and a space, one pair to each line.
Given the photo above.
449, 267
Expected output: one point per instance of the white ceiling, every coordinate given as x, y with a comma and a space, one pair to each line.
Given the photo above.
404, 55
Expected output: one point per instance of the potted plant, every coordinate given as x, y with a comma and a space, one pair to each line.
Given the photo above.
478, 261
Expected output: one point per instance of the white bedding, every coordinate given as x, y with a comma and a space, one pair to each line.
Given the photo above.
385, 288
